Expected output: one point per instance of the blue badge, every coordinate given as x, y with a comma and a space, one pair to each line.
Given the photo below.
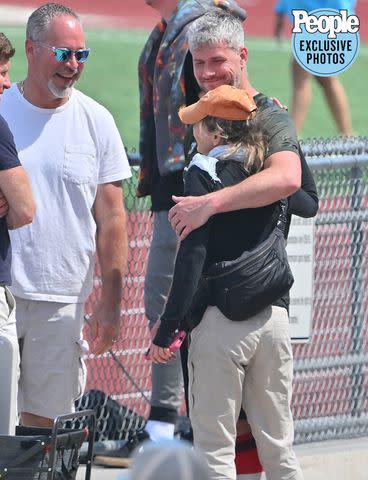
325, 42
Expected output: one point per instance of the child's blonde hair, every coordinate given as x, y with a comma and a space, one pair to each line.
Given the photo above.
239, 135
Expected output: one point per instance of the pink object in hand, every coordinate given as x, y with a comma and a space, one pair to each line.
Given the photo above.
177, 341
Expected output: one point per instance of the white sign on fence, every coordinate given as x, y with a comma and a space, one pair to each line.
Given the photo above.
300, 249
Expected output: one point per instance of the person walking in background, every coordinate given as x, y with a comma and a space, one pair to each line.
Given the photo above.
17, 209
72, 151
332, 88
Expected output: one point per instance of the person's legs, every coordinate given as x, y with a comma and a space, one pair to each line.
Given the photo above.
337, 102
8, 328
248, 466
267, 396
167, 380
52, 369
219, 352
7, 313
302, 94
9, 360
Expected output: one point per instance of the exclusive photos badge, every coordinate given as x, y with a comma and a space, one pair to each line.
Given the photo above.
325, 42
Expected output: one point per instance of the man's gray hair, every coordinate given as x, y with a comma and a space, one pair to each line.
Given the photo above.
214, 28
38, 23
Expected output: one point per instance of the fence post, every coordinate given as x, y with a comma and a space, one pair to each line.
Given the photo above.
357, 304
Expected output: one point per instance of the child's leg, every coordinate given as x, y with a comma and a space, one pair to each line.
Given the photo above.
248, 466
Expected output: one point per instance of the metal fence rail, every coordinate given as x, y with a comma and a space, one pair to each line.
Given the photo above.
331, 371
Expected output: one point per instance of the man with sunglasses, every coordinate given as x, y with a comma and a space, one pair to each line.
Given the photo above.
71, 148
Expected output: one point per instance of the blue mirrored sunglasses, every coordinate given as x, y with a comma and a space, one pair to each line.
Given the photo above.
64, 54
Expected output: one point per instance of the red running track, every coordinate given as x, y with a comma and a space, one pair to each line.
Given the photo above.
136, 14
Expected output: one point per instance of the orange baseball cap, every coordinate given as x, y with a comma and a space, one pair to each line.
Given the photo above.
225, 102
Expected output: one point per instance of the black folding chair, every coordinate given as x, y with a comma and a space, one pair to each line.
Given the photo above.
45, 453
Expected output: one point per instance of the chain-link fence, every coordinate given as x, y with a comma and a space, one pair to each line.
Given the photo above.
331, 370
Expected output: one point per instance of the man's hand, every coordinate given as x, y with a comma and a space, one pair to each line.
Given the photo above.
112, 251
105, 326
188, 214
4, 206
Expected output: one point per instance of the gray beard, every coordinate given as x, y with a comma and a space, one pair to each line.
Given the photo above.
59, 92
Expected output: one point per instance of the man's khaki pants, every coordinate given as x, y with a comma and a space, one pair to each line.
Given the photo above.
243, 364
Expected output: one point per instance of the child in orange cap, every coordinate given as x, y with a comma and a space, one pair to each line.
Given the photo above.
224, 121
230, 143
231, 146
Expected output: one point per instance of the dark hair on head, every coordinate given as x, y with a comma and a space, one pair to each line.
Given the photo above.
39, 21
241, 135
6, 48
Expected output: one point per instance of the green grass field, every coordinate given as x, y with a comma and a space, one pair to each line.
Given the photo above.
110, 77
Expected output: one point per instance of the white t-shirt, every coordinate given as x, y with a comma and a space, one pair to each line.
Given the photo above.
67, 152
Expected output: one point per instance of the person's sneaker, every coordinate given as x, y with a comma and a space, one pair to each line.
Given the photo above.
183, 429
121, 457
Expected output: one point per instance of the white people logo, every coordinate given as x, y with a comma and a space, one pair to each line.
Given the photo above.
325, 42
